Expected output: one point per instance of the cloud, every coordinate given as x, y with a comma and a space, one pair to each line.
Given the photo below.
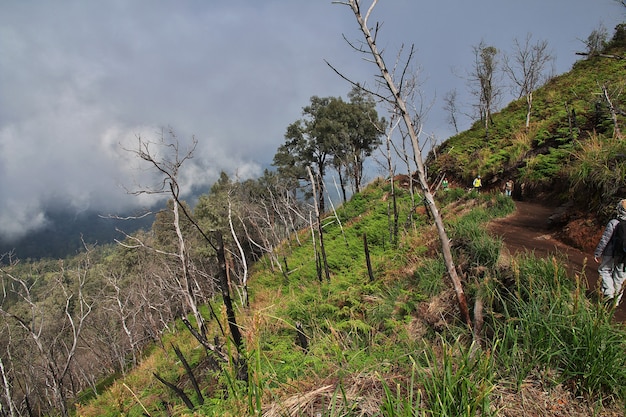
80, 81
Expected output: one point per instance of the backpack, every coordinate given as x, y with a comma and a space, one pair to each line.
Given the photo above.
619, 240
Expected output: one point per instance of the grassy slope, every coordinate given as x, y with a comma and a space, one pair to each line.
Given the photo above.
367, 338
568, 147
347, 304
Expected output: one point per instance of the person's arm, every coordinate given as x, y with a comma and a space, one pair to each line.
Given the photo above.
605, 239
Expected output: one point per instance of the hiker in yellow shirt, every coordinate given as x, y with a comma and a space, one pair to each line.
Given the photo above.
477, 184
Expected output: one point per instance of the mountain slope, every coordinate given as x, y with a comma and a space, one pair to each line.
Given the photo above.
392, 343
568, 151
372, 343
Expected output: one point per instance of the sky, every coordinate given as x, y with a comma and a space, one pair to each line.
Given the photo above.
81, 81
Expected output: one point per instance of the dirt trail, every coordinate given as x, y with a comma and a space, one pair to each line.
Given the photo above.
527, 230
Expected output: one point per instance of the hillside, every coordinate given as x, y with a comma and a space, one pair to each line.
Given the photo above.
368, 339
572, 150
372, 343
245, 307
395, 342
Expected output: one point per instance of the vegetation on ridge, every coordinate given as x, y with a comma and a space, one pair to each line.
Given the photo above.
379, 335
572, 148
395, 346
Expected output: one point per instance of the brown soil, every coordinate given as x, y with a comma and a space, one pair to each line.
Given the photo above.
530, 229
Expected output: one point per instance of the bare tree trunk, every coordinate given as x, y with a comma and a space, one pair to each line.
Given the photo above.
616, 130
393, 226
7, 389
215, 350
368, 261
192, 377
529, 106
124, 315
332, 206
230, 311
319, 226
181, 394
343, 186
406, 158
318, 266
244, 279
184, 264
421, 171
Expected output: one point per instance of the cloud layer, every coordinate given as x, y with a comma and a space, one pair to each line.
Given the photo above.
80, 81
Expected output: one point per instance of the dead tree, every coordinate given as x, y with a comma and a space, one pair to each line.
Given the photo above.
450, 106
169, 168
179, 392
389, 167
244, 277
54, 333
242, 372
368, 261
613, 110
320, 232
126, 313
525, 68
397, 100
189, 371
7, 384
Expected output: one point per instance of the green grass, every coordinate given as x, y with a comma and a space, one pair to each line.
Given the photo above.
457, 381
538, 324
541, 321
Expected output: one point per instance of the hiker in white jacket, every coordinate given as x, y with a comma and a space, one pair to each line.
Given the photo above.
611, 256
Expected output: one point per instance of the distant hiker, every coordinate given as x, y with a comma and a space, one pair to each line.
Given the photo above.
508, 188
477, 184
610, 255
445, 184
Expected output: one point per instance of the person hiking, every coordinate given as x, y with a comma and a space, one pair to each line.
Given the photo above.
610, 255
445, 184
477, 184
508, 188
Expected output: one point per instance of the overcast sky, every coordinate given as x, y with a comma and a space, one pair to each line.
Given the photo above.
81, 80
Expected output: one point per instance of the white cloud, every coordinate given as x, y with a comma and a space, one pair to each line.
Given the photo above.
79, 81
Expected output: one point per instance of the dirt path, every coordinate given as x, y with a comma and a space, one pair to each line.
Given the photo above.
526, 230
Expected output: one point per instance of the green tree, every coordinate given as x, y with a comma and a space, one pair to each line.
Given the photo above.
363, 133
211, 211
484, 83
310, 142
332, 132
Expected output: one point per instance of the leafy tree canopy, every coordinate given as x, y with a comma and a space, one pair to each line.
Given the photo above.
332, 130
